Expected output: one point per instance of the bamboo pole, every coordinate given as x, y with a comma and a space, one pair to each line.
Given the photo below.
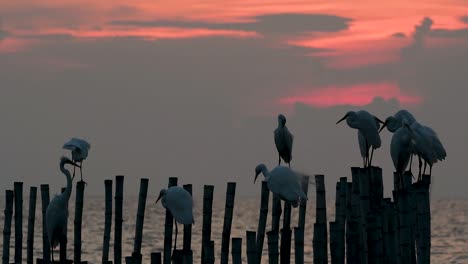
405, 226
285, 253
188, 253
376, 188
388, 234
299, 245
108, 220
334, 242
155, 257
355, 244
140, 218
31, 220
273, 253
18, 189
396, 217
275, 213
341, 218
320, 241
228, 209
209, 258
374, 239
364, 185
118, 219
45, 239
236, 250
207, 215
168, 226
424, 220
251, 247
78, 219
262, 220
9, 196
64, 241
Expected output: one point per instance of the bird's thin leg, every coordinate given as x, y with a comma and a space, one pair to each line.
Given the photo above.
367, 154
81, 172
176, 231
425, 165
364, 161
372, 154
279, 159
420, 166
73, 173
52, 251
411, 162
430, 170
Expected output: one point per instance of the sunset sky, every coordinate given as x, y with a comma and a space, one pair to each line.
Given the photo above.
192, 88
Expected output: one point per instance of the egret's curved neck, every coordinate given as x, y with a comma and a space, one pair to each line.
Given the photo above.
67, 192
266, 172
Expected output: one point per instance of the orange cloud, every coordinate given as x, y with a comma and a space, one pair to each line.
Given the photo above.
356, 95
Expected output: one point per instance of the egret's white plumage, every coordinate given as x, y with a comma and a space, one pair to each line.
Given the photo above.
284, 182
57, 210
368, 135
180, 203
79, 149
401, 149
283, 141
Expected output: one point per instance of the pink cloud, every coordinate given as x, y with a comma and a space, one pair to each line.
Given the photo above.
356, 95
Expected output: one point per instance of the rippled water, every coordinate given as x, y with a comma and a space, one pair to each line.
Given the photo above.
449, 228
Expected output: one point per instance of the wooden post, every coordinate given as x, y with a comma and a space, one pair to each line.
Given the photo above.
78, 219
405, 226
168, 225
31, 220
285, 253
229, 207
209, 253
64, 242
251, 247
424, 220
299, 245
108, 220
155, 257
273, 253
375, 247
207, 214
118, 219
396, 219
376, 188
275, 213
236, 250
334, 241
9, 195
364, 185
188, 254
320, 241
341, 218
140, 218
18, 189
262, 220
355, 244
45, 238
388, 232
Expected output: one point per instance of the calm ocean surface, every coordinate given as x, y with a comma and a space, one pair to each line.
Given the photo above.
449, 228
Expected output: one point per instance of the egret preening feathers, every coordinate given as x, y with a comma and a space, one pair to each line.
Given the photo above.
283, 141
179, 202
79, 149
284, 182
401, 149
368, 135
57, 210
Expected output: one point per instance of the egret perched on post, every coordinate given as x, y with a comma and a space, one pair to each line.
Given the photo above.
284, 182
57, 210
283, 141
79, 149
179, 202
401, 149
368, 135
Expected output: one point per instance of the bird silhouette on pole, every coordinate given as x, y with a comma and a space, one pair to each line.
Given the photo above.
57, 210
401, 149
179, 202
284, 183
79, 149
283, 141
368, 134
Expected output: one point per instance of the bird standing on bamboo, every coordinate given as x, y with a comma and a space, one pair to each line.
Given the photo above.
283, 141
79, 149
368, 134
180, 203
57, 210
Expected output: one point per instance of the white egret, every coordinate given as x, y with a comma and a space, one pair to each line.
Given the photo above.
366, 124
283, 141
179, 202
79, 149
57, 210
401, 149
284, 182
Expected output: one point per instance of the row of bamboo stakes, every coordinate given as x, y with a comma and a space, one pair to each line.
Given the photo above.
368, 228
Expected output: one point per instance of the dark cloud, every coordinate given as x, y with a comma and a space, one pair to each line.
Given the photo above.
449, 33
421, 31
3, 32
399, 35
464, 19
267, 24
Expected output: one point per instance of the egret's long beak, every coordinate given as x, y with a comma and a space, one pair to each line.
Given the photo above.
344, 117
74, 164
378, 120
159, 197
256, 175
384, 125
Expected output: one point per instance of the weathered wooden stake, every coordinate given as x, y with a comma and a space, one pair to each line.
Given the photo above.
262, 220
299, 245
188, 253
341, 218
236, 250
228, 209
168, 225
140, 219
334, 241
285, 253
155, 257
355, 245
207, 214
275, 213
209, 253
108, 220
45, 238
9, 195
64, 242
320, 241
78, 219
118, 220
251, 247
298, 236
273, 253
18, 188
375, 247
364, 185
424, 220
405, 226
31, 220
